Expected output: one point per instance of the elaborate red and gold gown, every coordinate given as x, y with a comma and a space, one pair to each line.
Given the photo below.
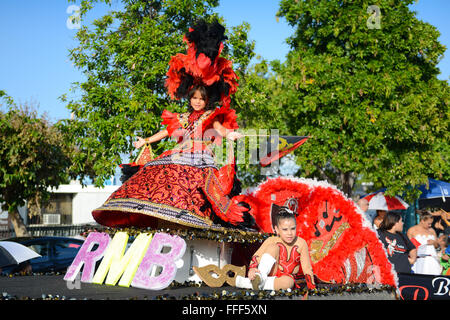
183, 185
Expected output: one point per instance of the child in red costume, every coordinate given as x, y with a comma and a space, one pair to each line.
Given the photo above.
281, 259
184, 186
178, 185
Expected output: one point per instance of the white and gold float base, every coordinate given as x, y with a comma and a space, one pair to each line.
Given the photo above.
202, 253
153, 260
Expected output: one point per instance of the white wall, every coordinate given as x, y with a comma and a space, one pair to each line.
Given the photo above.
85, 200
84, 203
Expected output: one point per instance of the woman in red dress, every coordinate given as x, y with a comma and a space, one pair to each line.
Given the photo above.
184, 185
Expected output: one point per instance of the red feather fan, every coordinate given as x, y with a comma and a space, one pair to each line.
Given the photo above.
343, 246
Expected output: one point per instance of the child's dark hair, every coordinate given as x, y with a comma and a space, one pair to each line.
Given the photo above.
284, 213
204, 92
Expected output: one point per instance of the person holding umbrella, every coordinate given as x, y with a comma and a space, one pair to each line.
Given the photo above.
441, 223
383, 203
16, 254
363, 204
379, 218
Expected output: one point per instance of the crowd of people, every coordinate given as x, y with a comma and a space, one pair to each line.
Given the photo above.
422, 249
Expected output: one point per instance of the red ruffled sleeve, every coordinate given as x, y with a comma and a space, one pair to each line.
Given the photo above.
171, 120
225, 115
227, 118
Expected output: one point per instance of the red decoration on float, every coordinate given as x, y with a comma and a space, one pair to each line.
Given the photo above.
343, 246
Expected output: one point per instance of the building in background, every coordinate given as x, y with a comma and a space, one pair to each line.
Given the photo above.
72, 204
70, 207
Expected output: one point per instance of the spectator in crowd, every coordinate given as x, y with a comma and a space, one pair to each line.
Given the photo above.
379, 218
444, 254
446, 222
23, 268
439, 221
363, 204
401, 251
425, 239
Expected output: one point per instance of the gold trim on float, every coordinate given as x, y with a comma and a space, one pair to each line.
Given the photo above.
206, 221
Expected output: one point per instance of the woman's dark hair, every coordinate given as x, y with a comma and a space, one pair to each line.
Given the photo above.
390, 219
205, 96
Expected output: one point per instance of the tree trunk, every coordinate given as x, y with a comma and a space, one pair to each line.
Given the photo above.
347, 181
19, 226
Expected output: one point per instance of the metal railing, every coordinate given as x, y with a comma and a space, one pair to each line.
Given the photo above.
6, 233
43, 230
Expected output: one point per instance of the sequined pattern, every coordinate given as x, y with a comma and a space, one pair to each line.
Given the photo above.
200, 160
170, 184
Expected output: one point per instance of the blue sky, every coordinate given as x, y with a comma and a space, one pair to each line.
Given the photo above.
34, 63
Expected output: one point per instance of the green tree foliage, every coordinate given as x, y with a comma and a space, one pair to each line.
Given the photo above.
366, 92
34, 157
124, 56
259, 115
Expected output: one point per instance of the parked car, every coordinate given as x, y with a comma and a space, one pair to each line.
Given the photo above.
57, 253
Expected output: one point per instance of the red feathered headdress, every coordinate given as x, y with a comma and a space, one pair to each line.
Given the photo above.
202, 65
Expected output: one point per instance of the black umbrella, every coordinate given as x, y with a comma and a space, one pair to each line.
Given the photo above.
436, 195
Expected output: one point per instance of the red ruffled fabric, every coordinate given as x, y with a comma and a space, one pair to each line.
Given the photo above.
171, 120
225, 115
204, 72
311, 205
226, 177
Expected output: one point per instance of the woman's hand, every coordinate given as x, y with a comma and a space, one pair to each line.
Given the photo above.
234, 135
412, 256
252, 273
154, 138
227, 133
139, 143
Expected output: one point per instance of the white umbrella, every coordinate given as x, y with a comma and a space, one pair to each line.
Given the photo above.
380, 201
14, 253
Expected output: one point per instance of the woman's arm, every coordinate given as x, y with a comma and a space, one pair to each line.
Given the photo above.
224, 132
154, 138
253, 268
410, 233
305, 259
435, 242
412, 256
